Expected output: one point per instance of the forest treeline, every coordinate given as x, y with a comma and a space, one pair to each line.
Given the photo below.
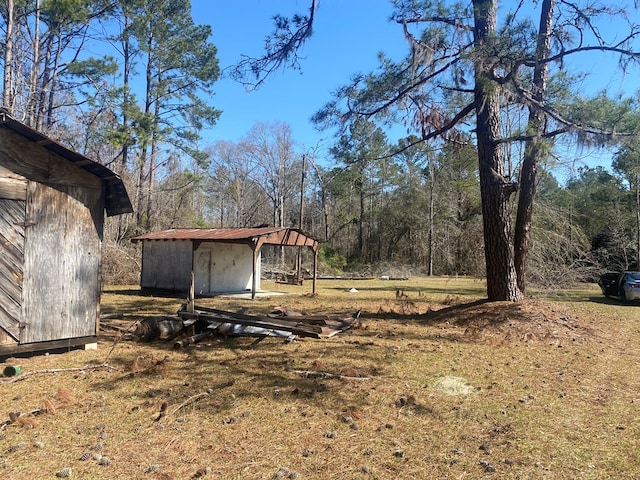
378, 205
417, 212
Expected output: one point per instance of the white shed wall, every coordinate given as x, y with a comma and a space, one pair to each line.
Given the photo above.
224, 267
166, 264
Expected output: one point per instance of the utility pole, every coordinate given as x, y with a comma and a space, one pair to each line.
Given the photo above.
304, 166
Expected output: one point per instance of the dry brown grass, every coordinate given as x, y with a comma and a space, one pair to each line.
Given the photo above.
435, 384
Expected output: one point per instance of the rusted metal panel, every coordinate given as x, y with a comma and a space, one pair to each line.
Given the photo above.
61, 273
12, 217
207, 234
265, 235
290, 237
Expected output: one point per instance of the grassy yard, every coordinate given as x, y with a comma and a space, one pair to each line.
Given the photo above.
434, 383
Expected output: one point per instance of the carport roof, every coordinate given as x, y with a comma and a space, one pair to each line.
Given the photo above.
262, 235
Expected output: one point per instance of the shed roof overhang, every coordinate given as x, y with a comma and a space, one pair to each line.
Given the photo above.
255, 237
116, 198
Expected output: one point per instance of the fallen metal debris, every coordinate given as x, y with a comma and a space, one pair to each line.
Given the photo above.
205, 322
163, 327
282, 323
230, 329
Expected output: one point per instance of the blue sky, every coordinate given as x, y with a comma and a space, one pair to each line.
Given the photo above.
347, 37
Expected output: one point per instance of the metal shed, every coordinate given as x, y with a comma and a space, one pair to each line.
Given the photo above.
52, 204
213, 260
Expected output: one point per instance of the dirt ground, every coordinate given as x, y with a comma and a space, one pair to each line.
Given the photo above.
433, 383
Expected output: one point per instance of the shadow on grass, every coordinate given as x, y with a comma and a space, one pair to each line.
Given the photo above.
237, 366
613, 301
467, 291
229, 370
459, 314
146, 292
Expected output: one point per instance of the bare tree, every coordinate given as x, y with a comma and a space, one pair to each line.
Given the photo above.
273, 152
234, 195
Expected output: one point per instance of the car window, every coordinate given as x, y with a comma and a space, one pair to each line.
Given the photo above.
634, 276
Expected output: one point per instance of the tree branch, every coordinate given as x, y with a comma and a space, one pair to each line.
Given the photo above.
569, 125
405, 91
282, 47
601, 48
436, 19
435, 133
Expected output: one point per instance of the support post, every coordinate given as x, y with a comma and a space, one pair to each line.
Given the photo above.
254, 273
315, 270
191, 299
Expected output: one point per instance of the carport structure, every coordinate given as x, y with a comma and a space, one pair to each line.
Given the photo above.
213, 260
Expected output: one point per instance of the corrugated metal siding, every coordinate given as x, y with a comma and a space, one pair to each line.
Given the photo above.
167, 265
223, 267
12, 217
262, 235
219, 234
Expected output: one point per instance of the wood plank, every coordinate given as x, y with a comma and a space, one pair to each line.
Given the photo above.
62, 261
12, 216
6, 340
166, 265
7, 351
322, 319
13, 189
314, 319
26, 158
223, 313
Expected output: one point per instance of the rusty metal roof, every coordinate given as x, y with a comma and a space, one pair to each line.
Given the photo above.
265, 235
116, 198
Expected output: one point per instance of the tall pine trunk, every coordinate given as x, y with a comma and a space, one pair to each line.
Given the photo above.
535, 148
44, 84
495, 190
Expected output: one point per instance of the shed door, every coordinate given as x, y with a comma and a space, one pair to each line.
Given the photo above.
12, 218
61, 282
203, 270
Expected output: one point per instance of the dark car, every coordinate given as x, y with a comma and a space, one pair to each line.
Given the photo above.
623, 285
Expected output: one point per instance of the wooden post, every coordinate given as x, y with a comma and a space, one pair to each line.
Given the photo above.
253, 276
191, 299
315, 270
